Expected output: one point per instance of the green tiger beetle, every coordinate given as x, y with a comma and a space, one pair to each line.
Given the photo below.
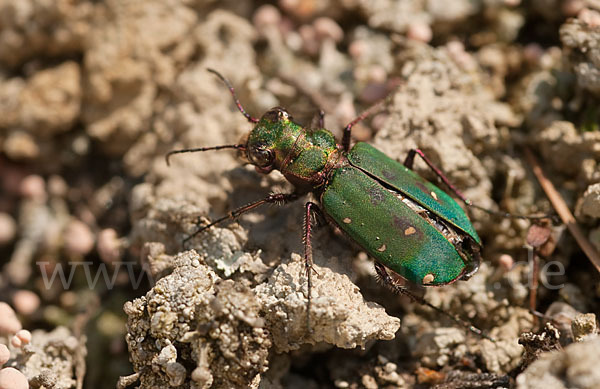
407, 224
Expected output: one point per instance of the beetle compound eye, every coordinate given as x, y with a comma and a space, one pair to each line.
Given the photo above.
261, 157
282, 114
277, 114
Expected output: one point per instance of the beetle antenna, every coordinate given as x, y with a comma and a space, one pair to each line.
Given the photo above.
235, 99
168, 155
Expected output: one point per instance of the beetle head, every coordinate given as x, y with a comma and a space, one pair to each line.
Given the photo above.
262, 142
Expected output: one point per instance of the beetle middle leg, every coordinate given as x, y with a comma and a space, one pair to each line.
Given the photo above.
310, 209
409, 161
273, 198
318, 121
365, 114
388, 281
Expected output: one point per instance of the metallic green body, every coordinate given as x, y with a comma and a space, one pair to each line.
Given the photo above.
403, 221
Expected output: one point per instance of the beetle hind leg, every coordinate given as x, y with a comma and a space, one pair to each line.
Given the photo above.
409, 161
386, 278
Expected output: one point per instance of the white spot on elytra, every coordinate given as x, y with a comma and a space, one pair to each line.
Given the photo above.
347, 220
434, 195
409, 231
428, 279
382, 248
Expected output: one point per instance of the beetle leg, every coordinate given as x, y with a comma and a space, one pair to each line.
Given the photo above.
410, 158
318, 121
387, 280
365, 114
309, 208
408, 162
321, 118
273, 198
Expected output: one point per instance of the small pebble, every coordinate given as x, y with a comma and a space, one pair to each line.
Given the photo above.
68, 299
71, 343
302, 9
109, 245
8, 228
379, 121
378, 74
293, 41
4, 354
24, 336
590, 17
26, 302
33, 187
457, 52
328, 28
9, 324
390, 367
57, 186
532, 53
373, 92
572, 7
310, 44
20, 145
345, 109
455, 47
591, 201
369, 382
79, 239
266, 15
419, 31
358, 48
16, 342
583, 326
506, 262
11, 378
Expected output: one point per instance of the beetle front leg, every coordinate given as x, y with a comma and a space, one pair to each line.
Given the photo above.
273, 198
388, 281
409, 161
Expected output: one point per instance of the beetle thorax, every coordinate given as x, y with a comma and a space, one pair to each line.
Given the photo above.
302, 155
